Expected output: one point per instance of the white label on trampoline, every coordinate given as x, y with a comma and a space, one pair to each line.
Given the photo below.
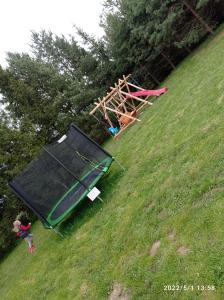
62, 138
93, 194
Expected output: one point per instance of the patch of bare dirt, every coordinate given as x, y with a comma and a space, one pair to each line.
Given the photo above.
180, 114
210, 295
149, 207
183, 250
206, 128
172, 235
164, 214
119, 293
220, 100
155, 248
84, 289
208, 197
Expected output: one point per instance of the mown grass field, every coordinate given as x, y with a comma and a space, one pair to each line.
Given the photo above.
161, 225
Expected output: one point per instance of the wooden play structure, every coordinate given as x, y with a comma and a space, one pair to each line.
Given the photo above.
120, 107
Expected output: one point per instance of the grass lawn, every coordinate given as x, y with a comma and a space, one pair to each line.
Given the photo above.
160, 232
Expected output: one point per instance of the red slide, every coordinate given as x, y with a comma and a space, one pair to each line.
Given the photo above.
148, 92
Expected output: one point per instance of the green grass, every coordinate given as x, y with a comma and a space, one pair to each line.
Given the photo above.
174, 182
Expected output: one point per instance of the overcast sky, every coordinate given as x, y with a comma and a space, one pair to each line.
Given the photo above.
19, 17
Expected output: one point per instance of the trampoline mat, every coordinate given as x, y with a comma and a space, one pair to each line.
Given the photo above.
76, 193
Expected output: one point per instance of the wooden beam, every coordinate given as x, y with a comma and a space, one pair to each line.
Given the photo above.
140, 106
122, 100
122, 114
98, 104
115, 100
137, 98
124, 128
132, 105
126, 84
135, 86
106, 115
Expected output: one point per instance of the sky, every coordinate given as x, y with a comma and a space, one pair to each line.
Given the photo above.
19, 17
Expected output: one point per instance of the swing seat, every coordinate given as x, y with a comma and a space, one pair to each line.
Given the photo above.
113, 130
125, 120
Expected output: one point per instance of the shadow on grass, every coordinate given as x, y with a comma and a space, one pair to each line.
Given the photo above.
87, 209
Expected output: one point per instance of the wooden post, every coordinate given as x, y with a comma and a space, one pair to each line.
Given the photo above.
118, 89
126, 84
132, 105
106, 115
115, 100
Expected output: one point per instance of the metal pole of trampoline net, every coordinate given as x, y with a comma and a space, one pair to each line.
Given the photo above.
119, 164
63, 166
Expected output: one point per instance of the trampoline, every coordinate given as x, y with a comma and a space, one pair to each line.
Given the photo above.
55, 182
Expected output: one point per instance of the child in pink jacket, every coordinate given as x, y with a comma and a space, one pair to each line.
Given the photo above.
22, 231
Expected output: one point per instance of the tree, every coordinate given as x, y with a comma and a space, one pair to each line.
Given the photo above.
199, 18
152, 37
16, 150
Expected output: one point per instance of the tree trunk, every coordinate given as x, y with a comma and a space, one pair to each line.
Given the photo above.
184, 46
208, 28
169, 60
154, 78
151, 75
187, 49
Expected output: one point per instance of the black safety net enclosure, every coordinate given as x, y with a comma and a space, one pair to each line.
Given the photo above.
56, 181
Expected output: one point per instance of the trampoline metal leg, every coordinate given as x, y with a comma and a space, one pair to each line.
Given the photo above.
57, 232
119, 164
100, 199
